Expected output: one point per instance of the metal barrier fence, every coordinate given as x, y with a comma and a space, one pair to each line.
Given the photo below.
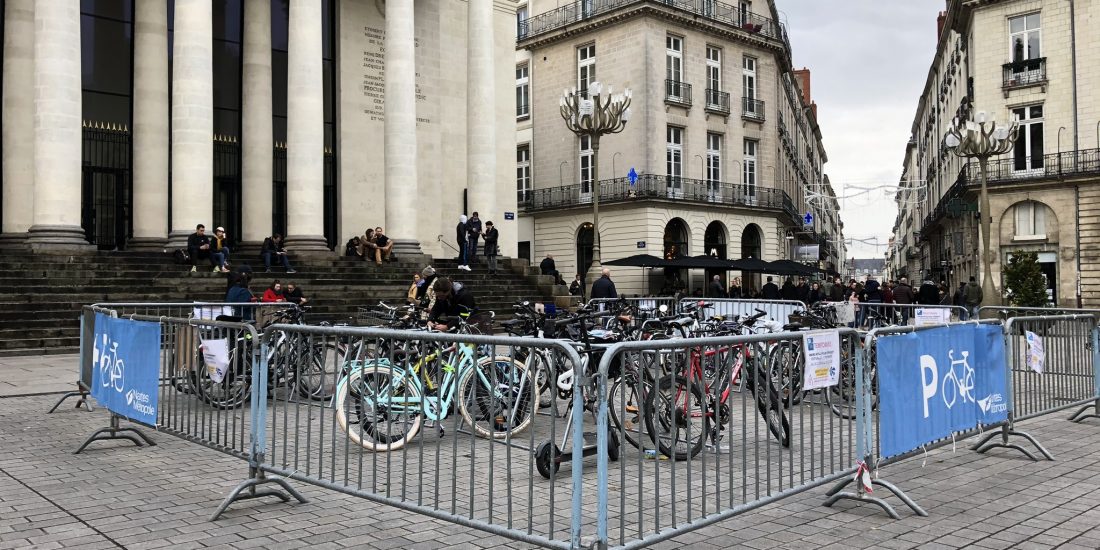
778, 310
1005, 312
716, 438
651, 303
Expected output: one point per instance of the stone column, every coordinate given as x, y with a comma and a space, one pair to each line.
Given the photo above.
150, 157
257, 144
18, 128
481, 156
57, 127
400, 128
305, 126
192, 120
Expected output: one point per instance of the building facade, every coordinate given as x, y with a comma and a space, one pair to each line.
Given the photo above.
723, 138
126, 123
1028, 61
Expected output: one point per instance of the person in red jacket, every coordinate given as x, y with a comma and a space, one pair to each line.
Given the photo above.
274, 293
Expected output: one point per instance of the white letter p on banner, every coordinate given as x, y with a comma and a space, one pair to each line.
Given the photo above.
928, 364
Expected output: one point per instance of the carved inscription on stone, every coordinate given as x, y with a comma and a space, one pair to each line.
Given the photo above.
374, 75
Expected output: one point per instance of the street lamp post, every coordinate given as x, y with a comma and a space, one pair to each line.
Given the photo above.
969, 139
595, 116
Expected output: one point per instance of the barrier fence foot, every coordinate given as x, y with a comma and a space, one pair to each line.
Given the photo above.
258, 477
114, 431
836, 495
1084, 413
83, 395
987, 443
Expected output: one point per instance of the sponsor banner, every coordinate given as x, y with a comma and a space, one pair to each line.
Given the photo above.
126, 367
821, 348
935, 382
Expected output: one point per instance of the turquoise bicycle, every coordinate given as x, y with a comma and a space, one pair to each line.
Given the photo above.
381, 406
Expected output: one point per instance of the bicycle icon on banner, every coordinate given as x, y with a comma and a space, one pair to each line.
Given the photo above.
112, 369
955, 386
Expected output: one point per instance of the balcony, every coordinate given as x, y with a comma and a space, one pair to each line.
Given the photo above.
1020, 74
660, 188
1083, 162
677, 93
752, 109
585, 10
718, 102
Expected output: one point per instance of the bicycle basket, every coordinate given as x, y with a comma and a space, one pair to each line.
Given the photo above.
373, 317
481, 323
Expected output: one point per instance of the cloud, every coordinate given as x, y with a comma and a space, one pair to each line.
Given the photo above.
868, 60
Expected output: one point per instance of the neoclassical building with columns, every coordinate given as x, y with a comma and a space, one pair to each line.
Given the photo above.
126, 122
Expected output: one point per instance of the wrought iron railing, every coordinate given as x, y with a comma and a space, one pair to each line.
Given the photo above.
677, 92
752, 108
654, 187
711, 9
1055, 165
1025, 73
107, 184
718, 101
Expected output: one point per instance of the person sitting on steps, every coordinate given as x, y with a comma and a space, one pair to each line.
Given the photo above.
198, 246
273, 248
385, 246
219, 251
367, 248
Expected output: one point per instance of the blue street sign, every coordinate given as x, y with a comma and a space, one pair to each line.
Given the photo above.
641, 244
808, 219
633, 177
509, 215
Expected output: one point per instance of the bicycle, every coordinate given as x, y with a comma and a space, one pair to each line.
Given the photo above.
495, 396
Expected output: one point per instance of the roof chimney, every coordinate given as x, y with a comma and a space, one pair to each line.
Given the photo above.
803, 76
940, 20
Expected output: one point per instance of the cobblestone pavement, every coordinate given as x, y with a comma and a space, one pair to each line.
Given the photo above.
117, 496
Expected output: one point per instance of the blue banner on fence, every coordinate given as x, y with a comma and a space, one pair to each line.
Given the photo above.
939, 381
126, 367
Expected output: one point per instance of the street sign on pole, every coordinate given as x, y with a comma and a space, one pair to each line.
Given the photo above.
632, 176
808, 219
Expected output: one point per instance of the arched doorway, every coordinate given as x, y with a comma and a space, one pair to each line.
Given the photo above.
584, 248
675, 245
752, 246
714, 244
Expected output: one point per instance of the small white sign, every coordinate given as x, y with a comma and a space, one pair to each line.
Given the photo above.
215, 354
821, 348
924, 316
210, 313
1036, 355
845, 312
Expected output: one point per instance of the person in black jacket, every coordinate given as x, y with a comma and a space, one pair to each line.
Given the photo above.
604, 287
198, 246
717, 289
547, 266
452, 300
473, 233
460, 237
273, 248
788, 292
770, 290
491, 236
928, 294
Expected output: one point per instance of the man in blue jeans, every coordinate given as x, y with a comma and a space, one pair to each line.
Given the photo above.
273, 248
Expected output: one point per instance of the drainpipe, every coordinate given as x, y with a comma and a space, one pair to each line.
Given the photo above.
1076, 187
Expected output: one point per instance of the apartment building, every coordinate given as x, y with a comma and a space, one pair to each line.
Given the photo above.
1031, 62
723, 138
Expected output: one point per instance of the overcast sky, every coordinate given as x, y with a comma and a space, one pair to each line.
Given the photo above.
868, 61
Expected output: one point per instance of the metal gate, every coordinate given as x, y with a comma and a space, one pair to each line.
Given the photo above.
107, 186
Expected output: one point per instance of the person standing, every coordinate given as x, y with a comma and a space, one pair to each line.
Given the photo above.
815, 295
735, 289
273, 248
577, 286
491, 237
903, 296
240, 294
717, 289
604, 287
410, 296
836, 293
929, 293
959, 299
473, 233
460, 237
974, 297
788, 292
770, 291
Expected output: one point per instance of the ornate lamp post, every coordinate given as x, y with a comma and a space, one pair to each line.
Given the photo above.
981, 140
595, 116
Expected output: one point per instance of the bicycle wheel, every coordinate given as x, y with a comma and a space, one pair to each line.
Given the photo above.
234, 390
498, 397
785, 370
842, 397
626, 402
379, 408
770, 406
676, 417
316, 376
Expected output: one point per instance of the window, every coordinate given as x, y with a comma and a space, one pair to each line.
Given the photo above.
521, 21
523, 173
674, 58
1031, 220
586, 68
674, 159
585, 165
1024, 37
749, 164
748, 77
744, 10
714, 161
523, 93
1028, 153
714, 75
